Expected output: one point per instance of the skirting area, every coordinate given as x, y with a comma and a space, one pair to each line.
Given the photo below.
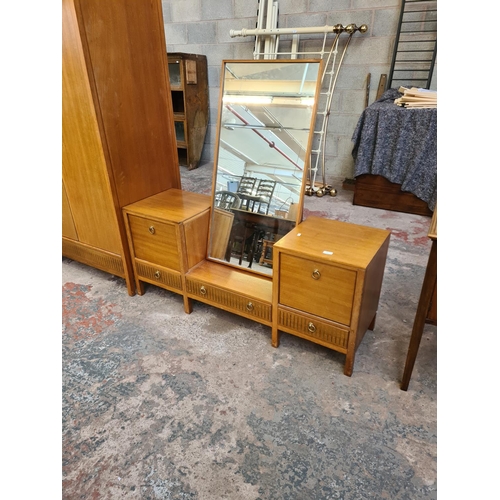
159, 404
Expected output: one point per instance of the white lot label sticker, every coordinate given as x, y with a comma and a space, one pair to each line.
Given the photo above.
327, 252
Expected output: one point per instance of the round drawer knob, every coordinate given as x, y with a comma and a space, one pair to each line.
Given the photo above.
203, 290
311, 327
152, 229
249, 307
157, 275
316, 274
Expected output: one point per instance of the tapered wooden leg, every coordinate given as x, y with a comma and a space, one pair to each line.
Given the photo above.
371, 326
140, 287
421, 314
349, 364
188, 305
275, 337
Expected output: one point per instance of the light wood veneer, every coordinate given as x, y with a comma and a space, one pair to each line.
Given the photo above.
326, 283
167, 236
118, 139
231, 289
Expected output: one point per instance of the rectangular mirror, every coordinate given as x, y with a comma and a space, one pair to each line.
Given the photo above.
266, 117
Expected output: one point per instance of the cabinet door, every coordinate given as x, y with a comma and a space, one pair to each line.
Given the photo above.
84, 166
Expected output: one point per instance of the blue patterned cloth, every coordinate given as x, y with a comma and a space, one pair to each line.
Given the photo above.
400, 144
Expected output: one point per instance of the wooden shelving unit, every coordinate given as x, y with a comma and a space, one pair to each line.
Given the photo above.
189, 90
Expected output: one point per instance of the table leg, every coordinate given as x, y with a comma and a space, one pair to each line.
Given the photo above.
421, 314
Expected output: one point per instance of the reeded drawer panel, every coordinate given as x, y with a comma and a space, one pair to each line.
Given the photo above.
155, 242
317, 288
259, 311
158, 275
313, 329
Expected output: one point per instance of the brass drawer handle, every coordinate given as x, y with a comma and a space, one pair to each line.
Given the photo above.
316, 274
311, 327
203, 290
157, 275
249, 307
152, 229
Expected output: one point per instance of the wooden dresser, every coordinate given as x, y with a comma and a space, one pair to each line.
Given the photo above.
326, 283
167, 236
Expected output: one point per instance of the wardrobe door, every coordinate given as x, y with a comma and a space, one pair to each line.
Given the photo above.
128, 59
84, 167
83, 162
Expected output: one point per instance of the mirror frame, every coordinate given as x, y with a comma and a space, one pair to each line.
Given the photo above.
307, 158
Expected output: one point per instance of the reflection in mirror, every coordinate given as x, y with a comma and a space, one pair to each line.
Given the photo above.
261, 158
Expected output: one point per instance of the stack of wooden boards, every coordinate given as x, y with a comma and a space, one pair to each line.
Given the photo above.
417, 98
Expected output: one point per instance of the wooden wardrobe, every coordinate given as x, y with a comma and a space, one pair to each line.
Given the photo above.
118, 138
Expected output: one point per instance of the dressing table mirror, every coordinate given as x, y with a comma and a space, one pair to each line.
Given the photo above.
267, 111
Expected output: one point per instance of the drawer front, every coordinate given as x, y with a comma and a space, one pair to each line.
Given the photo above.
155, 242
259, 311
317, 288
158, 275
314, 329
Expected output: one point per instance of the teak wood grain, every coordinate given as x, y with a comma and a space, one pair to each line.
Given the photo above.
328, 283
232, 279
351, 245
84, 169
126, 51
174, 205
68, 225
153, 242
118, 134
330, 296
168, 234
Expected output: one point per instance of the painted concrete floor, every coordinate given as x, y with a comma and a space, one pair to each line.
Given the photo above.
158, 404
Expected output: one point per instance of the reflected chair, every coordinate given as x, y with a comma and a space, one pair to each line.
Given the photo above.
227, 200
246, 192
240, 242
265, 191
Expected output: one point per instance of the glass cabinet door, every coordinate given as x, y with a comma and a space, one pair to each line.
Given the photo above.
174, 71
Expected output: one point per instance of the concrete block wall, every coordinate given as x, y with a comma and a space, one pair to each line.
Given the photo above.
203, 26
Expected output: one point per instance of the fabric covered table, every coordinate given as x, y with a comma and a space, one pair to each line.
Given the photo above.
399, 144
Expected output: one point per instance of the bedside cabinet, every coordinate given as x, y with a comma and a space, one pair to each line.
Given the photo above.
167, 235
326, 283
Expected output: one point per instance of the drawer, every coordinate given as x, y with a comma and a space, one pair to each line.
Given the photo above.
158, 275
155, 242
233, 302
314, 329
317, 288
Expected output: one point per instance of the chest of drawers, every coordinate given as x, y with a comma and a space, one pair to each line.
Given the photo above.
167, 235
326, 283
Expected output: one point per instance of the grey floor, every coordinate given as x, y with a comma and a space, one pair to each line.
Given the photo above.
158, 404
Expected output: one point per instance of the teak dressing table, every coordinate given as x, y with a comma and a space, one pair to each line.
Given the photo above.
325, 277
